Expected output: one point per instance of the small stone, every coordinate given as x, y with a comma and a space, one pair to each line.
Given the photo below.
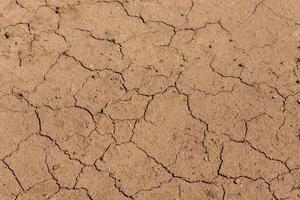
20, 95
55, 167
7, 35
237, 181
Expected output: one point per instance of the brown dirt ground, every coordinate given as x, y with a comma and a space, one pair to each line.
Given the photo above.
149, 99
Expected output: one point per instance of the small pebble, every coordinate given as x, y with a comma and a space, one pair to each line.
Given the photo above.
6, 35
55, 167
237, 181
20, 95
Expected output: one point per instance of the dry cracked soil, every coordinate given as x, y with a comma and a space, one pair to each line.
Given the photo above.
150, 100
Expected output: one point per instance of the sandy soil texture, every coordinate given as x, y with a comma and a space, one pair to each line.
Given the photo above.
150, 100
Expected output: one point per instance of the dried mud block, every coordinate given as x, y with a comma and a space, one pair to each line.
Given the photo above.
74, 131
99, 90
53, 91
95, 53
132, 168
70, 194
9, 187
41, 190
178, 189
28, 163
100, 184
245, 188
240, 160
18, 122
104, 20
287, 185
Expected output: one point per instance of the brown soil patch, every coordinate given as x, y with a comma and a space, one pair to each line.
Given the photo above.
149, 100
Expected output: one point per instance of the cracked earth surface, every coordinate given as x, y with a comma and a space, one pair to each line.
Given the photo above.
150, 100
